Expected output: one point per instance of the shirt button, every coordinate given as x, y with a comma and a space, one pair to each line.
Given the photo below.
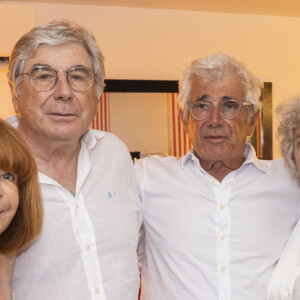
223, 269
77, 206
87, 247
222, 206
223, 237
97, 291
214, 181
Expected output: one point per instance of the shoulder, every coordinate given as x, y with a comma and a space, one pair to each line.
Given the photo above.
104, 139
276, 165
277, 173
155, 171
266, 166
156, 167
106, 145
158, 162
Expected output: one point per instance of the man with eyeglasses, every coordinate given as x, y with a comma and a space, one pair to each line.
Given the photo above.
87, 249
215, 221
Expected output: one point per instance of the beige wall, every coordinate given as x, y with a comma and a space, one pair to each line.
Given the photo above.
141, 121
14, 21
158, 44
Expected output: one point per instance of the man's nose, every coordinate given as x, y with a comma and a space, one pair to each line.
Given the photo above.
215, 118
62, 89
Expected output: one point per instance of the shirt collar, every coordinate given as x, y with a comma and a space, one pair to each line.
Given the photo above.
251, 158
249, 153
13, 121
189, 156
90, 138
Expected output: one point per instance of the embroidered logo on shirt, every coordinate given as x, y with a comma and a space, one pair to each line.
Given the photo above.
110, 195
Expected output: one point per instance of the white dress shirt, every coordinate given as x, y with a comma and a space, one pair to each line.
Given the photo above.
87, 249
206, 240
285, 281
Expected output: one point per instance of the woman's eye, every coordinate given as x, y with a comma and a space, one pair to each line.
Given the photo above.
9, 176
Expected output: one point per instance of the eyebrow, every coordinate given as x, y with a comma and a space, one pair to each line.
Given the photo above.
226, 98
206, 97
83, 68
202, 98
39, 65
80, 66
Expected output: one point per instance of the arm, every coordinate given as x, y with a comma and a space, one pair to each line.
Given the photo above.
7, 262
139, 176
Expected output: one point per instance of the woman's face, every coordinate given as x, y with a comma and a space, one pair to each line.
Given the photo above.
9, 198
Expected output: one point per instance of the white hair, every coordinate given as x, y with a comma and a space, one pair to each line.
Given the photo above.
289, 116
217, 66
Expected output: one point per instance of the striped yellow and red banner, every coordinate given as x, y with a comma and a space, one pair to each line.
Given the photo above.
102, 118
179, 141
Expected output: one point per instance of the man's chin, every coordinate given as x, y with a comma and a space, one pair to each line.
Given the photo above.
66, 134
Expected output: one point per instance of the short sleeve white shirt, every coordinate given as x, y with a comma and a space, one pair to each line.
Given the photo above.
87, 249
210, 240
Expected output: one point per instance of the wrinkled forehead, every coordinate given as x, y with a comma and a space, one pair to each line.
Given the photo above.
60, 57
228, 86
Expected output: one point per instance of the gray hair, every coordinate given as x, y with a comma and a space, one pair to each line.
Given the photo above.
217, 66
289, 117
58, 32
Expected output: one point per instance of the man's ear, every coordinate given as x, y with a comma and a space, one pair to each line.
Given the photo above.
253, 121
14, 96
184, 118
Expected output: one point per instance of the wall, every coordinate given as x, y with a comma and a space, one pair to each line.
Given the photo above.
15, 20
141, 121
158, 44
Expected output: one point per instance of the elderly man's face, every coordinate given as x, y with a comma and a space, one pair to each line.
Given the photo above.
217, 138
297, 147
61, 113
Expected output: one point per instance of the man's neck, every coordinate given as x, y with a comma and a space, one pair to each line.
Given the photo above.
61, 166
219, 169
57, 159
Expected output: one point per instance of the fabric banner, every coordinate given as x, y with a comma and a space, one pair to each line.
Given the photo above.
179, 141
102, 118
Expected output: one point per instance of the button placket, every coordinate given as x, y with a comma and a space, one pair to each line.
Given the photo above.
86, 239
222, 193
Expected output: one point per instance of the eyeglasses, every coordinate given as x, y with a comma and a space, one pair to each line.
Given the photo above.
229, 109
44, 78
